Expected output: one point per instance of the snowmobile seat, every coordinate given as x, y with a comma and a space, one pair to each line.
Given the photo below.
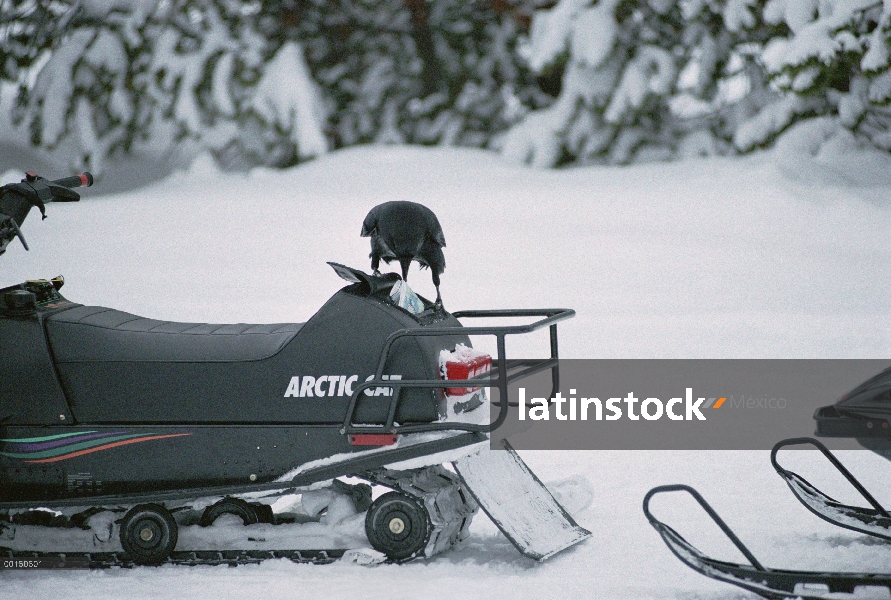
116, 367
98, 334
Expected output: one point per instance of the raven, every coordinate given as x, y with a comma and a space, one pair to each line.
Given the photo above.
405, 231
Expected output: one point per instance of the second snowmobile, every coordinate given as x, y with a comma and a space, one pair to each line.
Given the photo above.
862, 414
133, 429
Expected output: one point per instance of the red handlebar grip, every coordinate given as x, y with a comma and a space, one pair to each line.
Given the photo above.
84, 179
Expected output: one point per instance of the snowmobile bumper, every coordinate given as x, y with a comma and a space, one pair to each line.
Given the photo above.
832, 423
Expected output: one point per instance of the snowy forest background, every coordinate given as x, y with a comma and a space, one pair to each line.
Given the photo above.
86, 83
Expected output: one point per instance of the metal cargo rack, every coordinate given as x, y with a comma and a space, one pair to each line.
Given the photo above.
504, 371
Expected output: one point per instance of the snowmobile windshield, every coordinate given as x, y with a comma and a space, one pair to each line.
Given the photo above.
879, 382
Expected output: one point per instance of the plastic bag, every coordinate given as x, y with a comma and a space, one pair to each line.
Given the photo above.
403, 297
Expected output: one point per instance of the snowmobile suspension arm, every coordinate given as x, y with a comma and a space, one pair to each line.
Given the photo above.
526, 368
832, 459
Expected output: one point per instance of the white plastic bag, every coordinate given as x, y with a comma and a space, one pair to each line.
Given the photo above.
403, 297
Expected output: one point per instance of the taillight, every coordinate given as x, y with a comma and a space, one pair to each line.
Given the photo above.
373, 439
463, 363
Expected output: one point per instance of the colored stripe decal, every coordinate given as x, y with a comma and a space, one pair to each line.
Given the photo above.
106, 447
70, 447
719, 403
35, 446
48, 437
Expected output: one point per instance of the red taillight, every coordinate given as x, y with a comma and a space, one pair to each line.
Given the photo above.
465, 367
373, 439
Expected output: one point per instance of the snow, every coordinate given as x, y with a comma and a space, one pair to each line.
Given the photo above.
818, 30
652, 70
738, 14
776, 255
594, 34
54, 85
549, 32
823, 151
772, 119
287, 96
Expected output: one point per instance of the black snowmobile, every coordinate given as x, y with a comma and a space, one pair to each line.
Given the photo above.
862, 414
165, 425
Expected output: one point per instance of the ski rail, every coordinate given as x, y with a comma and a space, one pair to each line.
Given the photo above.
660, 526
875, 521
508, 370
832, 459
766, 582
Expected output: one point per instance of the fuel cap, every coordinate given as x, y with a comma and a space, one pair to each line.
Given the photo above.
20, 301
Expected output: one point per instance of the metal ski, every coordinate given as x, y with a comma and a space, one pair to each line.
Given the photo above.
872, 521
754, 577
519, 503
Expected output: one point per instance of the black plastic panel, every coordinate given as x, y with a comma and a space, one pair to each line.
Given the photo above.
29, 389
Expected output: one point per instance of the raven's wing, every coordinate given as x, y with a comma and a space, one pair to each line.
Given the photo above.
434, 230
369, 225
431, 255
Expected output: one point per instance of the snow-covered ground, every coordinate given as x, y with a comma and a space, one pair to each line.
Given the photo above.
780, 255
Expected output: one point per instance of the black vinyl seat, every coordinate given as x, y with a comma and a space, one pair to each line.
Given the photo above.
98, 334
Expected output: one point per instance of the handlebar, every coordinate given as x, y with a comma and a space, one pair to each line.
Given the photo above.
17, 199
82, 180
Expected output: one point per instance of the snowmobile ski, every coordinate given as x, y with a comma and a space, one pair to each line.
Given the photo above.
872, 521
519, 503
754, 577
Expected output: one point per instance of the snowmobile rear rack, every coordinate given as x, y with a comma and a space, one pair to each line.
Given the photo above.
766, 582
508, 370
872, 521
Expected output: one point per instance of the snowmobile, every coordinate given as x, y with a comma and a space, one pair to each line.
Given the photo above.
121, 437
862, 414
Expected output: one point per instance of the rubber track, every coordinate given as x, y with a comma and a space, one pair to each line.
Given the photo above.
107, 560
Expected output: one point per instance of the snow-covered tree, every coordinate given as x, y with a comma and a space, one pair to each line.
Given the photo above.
167, 79
263, 82
640, 79
26, 28
653, 78
834, 59
415, 71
